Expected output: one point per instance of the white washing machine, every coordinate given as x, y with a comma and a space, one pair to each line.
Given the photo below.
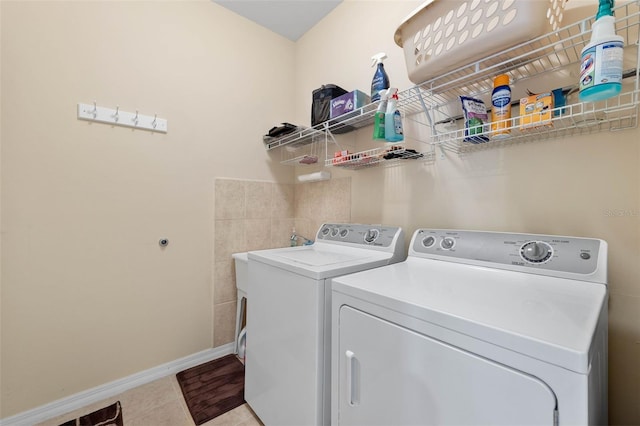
288, 357
474, 328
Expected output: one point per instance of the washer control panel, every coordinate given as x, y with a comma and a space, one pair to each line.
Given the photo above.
369, 235
547, 252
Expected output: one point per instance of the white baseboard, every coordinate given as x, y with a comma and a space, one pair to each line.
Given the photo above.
81, 399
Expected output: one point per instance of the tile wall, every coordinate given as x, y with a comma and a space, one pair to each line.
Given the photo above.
255, 215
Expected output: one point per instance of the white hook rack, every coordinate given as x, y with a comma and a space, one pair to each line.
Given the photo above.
92, 112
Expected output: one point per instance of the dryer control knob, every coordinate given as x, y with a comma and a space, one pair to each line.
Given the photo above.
536, 251
428, 241
371, 235
447, 243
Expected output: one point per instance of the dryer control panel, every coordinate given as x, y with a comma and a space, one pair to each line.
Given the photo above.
544, 254
361, 234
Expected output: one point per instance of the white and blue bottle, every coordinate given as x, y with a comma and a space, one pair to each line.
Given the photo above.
601, 65
393, 119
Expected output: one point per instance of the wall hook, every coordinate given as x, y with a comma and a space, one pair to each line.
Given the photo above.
114, 116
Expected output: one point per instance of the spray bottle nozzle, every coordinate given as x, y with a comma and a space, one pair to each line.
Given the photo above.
605, 8
378, 58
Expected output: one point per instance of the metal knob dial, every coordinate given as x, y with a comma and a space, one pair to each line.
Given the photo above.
428, 242
371, 235
447, 243
536, 251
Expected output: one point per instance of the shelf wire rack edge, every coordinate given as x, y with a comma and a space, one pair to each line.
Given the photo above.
375, 158
299, 137
572, 119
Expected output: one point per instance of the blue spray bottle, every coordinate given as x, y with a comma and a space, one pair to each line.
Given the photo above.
601, 65
380, 78
392, 119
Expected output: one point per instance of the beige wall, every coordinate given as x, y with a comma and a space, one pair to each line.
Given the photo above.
88, 296
582, 185
256, 215
321, 202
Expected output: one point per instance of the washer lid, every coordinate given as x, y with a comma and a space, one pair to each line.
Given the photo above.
320, 261
318, 258
547, 318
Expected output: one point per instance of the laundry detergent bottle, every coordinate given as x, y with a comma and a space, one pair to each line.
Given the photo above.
380, 78
601, 64
392, 119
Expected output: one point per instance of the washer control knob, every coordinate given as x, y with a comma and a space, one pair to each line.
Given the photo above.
371, 235
344, 232
428, 242
325, 231
447, 243
334, 232
536, 251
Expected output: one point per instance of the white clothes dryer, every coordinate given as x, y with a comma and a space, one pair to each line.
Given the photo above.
288, 357
474, 328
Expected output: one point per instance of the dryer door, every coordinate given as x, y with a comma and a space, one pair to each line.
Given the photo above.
389, 375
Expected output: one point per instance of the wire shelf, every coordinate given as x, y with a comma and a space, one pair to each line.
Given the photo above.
386, 157
300, 137
409, 103
617, 113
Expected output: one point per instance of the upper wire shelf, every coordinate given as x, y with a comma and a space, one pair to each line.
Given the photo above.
409, 103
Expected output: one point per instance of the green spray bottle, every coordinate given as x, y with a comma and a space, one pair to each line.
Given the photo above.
378, 122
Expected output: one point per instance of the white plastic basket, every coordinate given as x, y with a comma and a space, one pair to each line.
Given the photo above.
443, 34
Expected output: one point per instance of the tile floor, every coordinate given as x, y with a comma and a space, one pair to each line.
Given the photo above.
159, 403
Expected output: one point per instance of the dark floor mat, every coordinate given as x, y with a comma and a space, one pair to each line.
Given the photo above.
213, 388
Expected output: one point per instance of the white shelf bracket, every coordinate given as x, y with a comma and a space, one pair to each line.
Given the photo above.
93, 112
